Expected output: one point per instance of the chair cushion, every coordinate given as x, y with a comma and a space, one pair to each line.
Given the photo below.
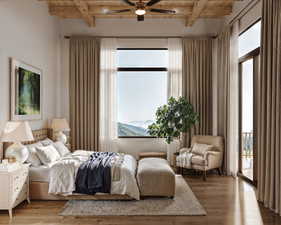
201, 149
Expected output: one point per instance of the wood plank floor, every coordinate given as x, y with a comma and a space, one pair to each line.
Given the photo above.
227, 201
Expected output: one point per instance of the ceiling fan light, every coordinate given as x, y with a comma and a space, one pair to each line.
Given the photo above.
140, 12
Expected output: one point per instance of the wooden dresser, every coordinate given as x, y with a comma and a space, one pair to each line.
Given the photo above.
14, 188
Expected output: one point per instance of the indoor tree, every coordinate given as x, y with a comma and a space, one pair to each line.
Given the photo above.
172, 119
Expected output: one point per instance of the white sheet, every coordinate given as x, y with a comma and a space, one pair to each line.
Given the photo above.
63, 173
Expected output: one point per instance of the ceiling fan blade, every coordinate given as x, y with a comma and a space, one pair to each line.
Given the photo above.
152, 2
118, 11
163, 11
129, 2
141, 18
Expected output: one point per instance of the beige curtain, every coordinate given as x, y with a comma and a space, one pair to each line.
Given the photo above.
197, 82
84, 92
228, 96
269, 117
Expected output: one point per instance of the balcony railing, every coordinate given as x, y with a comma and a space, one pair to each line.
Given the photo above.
247, 154
247, 144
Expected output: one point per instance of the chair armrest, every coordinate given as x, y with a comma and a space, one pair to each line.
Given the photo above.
214, 159
183, 150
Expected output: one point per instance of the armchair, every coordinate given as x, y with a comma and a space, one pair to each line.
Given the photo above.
204, 160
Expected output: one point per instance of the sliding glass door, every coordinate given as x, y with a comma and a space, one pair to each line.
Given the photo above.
249, 51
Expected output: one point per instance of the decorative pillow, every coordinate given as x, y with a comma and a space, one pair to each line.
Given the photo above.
33, 158
61, 148
47, 154
47, 141
201, 149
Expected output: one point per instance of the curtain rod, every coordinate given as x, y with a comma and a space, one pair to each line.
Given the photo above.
147, 37
244, 11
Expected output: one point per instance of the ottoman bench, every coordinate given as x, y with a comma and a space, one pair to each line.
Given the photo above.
143, 155
155, 178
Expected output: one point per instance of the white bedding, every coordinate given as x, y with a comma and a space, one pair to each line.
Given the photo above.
63, 173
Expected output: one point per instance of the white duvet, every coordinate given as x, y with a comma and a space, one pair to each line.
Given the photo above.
63, 173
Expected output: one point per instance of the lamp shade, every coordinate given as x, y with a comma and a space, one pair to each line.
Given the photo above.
17, 131
60, 124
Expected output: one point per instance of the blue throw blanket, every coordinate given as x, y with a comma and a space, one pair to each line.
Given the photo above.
94, 175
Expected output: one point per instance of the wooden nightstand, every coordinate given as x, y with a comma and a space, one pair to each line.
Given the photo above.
14, 187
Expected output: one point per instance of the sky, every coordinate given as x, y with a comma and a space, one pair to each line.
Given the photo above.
248, 41
141, 93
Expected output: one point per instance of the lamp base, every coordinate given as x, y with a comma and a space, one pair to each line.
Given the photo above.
17, 151
60, 136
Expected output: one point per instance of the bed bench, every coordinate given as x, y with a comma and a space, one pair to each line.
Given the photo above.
155, 177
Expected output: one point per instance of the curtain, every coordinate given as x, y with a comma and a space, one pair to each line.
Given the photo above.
269, 108
84, 92
175, 67
197, 82
174, 84
228, 96
108, 95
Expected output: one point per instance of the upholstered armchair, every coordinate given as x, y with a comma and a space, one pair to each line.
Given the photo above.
205, 153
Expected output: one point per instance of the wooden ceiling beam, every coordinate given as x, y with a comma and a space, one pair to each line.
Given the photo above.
88, 10
94, 11
197, 10
84, 10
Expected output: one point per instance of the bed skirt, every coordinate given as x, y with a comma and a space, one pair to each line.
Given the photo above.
39, 191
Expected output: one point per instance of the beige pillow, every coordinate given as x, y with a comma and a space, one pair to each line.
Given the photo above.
61, 148
47, 154
46, 142
201, 149
33, 159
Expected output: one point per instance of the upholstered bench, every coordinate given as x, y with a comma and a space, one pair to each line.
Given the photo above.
143, 155
155, 177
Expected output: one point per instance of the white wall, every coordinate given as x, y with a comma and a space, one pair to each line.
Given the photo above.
29, 34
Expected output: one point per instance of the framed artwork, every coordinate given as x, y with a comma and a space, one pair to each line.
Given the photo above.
26, 91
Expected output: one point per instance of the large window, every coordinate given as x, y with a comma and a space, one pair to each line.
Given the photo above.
142, 88
249, 52
250, 39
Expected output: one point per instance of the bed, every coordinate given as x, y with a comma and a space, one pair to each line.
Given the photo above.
42, 178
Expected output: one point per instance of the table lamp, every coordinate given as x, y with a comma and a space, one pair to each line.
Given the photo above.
17, 132
59, 125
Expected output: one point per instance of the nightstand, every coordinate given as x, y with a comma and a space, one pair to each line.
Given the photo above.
14, 187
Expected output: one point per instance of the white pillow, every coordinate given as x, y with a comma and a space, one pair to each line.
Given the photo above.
61, 148
201, 149
33, 158
46, 142
47, 154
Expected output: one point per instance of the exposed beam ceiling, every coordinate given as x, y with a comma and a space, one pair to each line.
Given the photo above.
190, 10
83, 8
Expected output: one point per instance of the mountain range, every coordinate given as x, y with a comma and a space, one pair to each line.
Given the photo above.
131, 130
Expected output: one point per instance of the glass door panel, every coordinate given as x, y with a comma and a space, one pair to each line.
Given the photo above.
247, 114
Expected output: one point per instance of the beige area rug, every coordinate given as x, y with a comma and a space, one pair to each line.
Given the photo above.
184, 204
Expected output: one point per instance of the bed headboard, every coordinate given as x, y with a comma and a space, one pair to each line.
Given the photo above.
38, 135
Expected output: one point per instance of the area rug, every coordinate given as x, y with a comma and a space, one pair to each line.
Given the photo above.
183, 204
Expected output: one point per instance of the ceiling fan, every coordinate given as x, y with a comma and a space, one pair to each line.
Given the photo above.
140, 8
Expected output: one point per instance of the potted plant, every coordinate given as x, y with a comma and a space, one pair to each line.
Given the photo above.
177, 117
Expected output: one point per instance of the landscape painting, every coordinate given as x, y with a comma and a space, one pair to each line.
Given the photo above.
26, 92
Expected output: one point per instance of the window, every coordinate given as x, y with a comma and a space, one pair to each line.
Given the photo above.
250, 39
249, 52
142, 88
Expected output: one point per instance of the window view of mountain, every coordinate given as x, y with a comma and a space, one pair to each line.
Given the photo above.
134, 128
